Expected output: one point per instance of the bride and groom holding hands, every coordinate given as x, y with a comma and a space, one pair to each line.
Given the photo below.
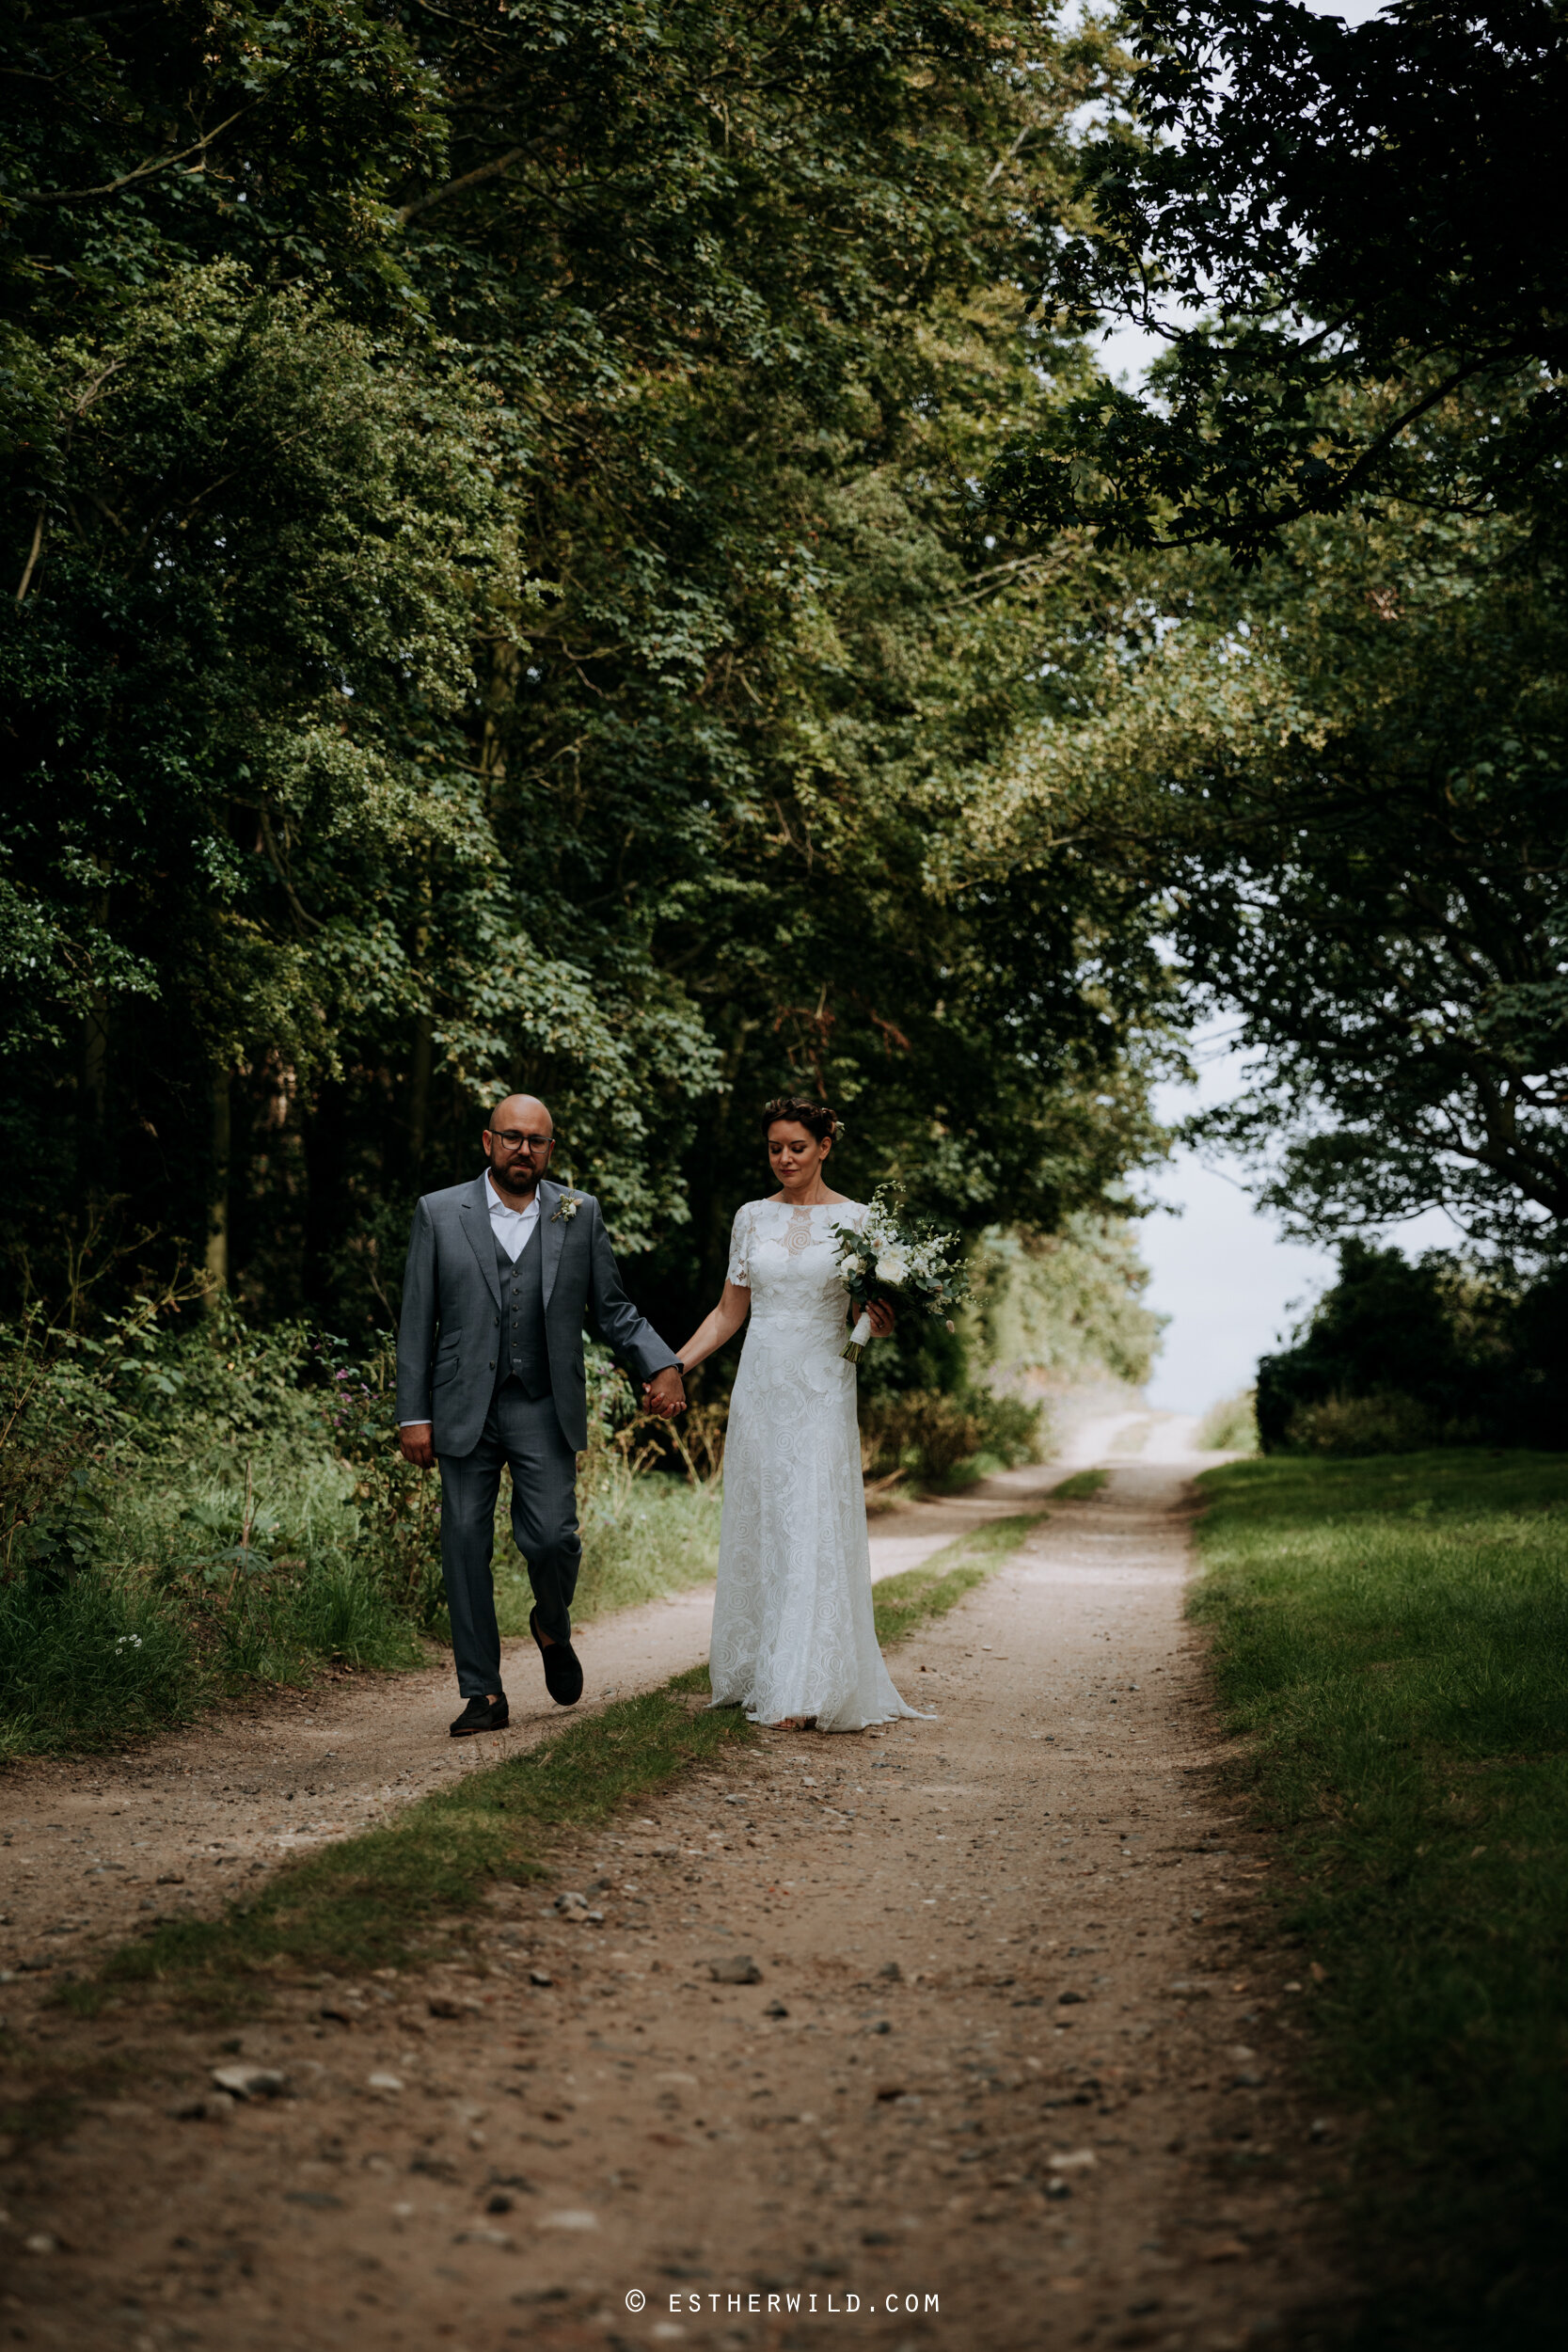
503, 1271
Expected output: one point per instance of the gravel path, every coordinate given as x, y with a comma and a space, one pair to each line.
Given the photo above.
1019, 2045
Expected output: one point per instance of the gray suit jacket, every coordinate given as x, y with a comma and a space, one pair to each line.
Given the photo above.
448, 1337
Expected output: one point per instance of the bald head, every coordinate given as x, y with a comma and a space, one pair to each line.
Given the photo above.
521, 1110
518, 1143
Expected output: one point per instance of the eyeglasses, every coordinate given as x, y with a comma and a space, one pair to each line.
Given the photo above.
510, 1139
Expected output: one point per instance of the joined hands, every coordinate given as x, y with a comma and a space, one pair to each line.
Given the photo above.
665, 1394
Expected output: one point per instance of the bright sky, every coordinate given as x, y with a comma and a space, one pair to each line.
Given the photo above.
1223, 1272
1231, 1284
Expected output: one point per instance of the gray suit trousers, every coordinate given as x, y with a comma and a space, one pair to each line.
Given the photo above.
524, 1433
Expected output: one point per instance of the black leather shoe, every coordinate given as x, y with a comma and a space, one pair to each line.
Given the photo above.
563, 1666
481, 1715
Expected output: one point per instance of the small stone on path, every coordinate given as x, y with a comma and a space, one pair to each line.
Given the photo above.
735, 1968
250, 2082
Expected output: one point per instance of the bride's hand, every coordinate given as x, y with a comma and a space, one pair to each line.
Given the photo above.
665, 1394
883, 1317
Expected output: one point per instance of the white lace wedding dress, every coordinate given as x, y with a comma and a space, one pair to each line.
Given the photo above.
793, 1633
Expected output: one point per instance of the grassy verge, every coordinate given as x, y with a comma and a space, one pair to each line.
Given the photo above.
1393, 1634
113, 1653
903, 1602
127, 1646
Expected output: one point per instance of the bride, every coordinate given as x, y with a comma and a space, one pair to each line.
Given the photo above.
794, 1640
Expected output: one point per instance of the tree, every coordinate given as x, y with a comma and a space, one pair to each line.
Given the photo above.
1342, 779
1065, 1309
773, 652
252, 638
1341, 775
1298, 206
249, 535
510, 606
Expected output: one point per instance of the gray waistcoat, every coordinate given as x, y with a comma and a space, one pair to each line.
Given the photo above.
524, 1354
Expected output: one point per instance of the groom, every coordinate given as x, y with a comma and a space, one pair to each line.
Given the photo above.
501, 1272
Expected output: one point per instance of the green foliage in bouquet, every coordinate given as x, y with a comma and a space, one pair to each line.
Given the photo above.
890, 1258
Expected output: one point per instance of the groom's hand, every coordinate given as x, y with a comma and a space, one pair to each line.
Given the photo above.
415, 1440
665, 1394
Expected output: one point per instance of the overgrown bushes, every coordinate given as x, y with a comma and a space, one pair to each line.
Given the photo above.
187, 1508
932, 1432
1399, 1354
100, 1658
191, 1506
1389, 1423
1231, 1425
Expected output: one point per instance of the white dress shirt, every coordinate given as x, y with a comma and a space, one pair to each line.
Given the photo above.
511, 1228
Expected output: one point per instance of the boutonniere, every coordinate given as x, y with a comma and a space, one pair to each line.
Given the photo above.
568, 1206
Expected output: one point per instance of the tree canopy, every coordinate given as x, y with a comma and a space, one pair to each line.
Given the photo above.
508, 512
1326, 735
502, 598
1342, 778
1398, 1356
1299, 206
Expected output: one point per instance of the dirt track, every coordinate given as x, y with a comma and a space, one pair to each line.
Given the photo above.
96, 1846
902, 2105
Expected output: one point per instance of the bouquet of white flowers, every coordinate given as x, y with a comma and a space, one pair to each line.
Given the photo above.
890, 1259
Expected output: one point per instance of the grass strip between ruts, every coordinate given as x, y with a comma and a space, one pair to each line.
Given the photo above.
903, 1602
1082, 1487
1392, 1635
374, 1901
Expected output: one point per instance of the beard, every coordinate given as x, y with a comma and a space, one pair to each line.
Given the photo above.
514, 1176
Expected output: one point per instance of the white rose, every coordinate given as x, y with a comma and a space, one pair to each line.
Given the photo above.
893, 1266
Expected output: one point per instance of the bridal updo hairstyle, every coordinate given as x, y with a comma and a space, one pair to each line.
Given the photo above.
818, 1118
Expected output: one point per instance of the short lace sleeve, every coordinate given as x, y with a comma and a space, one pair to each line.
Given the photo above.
739, 1271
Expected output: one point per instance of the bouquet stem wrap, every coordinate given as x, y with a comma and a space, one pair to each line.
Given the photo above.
855, 1345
